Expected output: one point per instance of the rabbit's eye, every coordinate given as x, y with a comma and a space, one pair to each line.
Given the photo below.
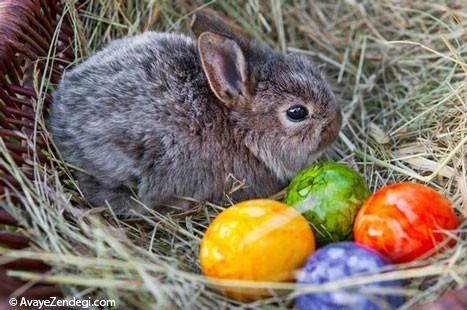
297, 113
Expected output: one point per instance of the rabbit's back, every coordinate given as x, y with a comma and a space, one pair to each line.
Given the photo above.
126, 99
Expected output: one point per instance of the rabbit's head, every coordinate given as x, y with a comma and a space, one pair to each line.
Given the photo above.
281, 105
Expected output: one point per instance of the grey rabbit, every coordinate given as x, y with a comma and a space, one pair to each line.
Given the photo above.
164, 115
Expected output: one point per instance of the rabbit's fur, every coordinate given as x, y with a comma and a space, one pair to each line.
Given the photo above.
169, 116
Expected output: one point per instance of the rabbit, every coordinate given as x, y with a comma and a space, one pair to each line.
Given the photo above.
164, 116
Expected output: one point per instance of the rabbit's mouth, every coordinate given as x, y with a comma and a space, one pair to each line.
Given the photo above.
330, 131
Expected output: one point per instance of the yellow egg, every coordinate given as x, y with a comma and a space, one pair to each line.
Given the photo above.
255, 240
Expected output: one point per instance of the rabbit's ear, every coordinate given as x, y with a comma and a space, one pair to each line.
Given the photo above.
207, 21
225, 67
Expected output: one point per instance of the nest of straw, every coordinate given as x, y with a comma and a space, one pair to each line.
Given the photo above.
397, 67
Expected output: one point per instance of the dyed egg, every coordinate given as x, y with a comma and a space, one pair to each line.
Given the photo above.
339, 261
404, 221
256, 240
329, 195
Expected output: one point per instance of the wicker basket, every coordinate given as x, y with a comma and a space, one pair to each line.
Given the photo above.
27, 29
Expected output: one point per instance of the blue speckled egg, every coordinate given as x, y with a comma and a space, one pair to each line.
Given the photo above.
338, 261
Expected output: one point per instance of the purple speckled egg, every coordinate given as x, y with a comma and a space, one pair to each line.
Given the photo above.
338, 261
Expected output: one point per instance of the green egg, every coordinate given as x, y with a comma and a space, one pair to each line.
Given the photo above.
329, 196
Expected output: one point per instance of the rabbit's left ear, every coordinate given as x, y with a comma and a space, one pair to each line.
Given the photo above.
207, 21
225, 67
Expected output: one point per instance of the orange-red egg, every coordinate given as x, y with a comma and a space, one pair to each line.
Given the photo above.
404, 221
255, 240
